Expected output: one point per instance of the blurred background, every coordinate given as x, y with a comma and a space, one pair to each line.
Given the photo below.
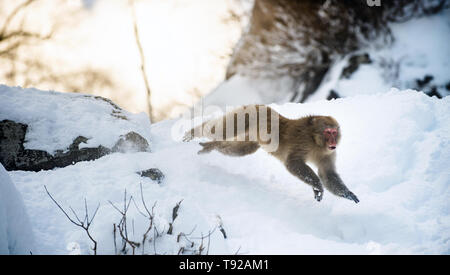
224, 51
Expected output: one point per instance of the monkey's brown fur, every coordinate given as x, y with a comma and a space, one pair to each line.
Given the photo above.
300, 141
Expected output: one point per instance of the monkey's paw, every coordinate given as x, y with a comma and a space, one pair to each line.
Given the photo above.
318, 193
188, 136
349, 195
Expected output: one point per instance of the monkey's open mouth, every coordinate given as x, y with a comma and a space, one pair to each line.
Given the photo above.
331, 147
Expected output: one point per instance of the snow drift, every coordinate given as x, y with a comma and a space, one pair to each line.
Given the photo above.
394, 156
16, 236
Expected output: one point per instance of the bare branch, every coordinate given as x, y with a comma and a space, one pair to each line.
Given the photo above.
93, 216
9, 49
114, 234
222, 230
175, 210
75, 214
80, 224
174, 216
25, 34
131, 243
141, 55
59, 206
237, 252
12, 15
118, 210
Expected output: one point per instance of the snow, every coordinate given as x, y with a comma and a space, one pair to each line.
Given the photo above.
56, 119
420, 48
16, 236
394, 156
241, 90
400, 64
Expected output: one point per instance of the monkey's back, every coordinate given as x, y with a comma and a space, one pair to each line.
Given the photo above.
295, 138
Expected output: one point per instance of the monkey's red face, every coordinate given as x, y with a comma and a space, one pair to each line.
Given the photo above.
331, 137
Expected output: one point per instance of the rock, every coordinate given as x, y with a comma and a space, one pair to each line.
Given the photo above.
13, 156
76, 143
422, 82
353, 64
430, 87
33, 160
12, 136
434, 92
116, 111
153, 173
131, 142
42, 130
333, 95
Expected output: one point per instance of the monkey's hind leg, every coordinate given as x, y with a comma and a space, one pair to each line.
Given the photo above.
190, 135
230, 148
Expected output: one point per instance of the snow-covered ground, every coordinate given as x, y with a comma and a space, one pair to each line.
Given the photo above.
394, 156
16, 236
420, 49
401, 64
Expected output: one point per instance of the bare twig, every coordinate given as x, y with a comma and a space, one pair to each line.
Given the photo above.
12, 15
201, 248
175, 210
209, 240
85, 224
122, 226
150, 216
114, 233
222, 230
141, 55
125, 238
86, 221
23, 34
237, 252
174, 216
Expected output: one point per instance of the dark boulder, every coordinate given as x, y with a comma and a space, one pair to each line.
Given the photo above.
131, 142
353, 64
152, 173
333, 95
14, 156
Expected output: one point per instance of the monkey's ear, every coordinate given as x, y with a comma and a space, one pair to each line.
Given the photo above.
311, 120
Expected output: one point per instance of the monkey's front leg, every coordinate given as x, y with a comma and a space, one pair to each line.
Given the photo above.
335, 185
333, 182
299, 168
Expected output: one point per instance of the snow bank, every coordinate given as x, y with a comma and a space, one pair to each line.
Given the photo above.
16, 236
56, 119
394, 156
400, 64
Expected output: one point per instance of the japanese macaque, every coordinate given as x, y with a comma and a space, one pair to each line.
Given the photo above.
294, 142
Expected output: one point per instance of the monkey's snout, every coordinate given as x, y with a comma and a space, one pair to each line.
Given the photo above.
332, 147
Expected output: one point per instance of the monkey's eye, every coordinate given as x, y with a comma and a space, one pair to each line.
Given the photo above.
330, 131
